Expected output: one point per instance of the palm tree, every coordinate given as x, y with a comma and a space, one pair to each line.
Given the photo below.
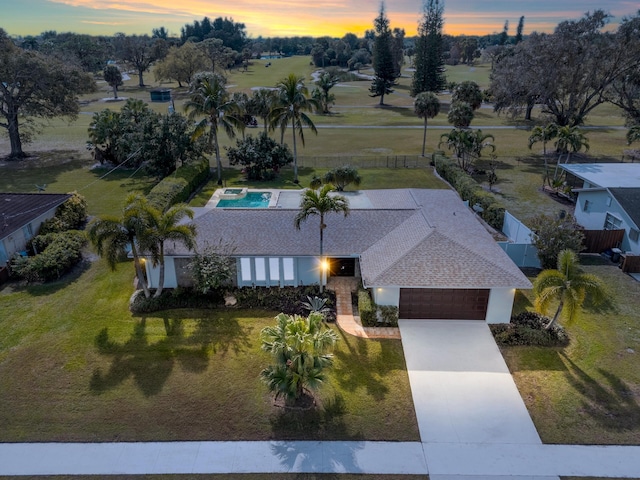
262, 102
460, 114
320, 203
544, 135
292, 102
633, 134
164, 227
342, 176
325, 83
301, 348
426, 106
570, 140
467, 145
209, 97
567, 285
112, 235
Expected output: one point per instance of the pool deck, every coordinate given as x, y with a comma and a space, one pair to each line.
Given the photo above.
287, 199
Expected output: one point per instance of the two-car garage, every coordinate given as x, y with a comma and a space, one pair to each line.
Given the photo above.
443, 303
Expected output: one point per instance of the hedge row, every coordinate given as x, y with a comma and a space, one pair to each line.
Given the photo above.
372, 315
179, 186
468, 188
58, 253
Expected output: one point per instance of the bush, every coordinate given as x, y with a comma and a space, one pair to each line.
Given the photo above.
176, 298
178, 187
58, 253
528, 328
388, 315
366, 309
71, 215
469, 189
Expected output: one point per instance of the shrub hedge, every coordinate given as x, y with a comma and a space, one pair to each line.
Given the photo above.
71, 215
528, 328
372, 315
58, 253
179, 186
469, 189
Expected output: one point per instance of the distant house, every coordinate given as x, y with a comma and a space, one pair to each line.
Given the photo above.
420, 250
608, 199
21, 215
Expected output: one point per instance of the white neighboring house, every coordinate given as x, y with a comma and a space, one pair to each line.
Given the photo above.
609, 199
21, 215
421, 250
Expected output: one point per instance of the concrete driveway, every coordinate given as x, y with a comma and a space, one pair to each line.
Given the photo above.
462, 390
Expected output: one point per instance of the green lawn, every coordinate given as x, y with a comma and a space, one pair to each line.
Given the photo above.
75, 365
588, 392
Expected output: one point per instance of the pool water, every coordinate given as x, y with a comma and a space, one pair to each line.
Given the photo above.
251, 200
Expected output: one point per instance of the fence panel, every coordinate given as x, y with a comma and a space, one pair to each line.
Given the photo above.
522, 254
597, 241
631, 264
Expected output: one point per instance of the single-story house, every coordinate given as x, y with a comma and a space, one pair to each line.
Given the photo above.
608, 199
21, 215
421, 250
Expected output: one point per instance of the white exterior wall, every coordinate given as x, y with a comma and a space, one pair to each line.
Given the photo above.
386, 296
153, 273
500, 305
17, 242
594, 217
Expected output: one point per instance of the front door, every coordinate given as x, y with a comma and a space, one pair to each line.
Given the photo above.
342, 267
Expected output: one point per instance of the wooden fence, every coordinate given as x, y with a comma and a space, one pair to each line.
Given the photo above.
631, 264
597, 241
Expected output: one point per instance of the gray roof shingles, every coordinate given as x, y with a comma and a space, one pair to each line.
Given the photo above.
410, 238
20, 209
629, 200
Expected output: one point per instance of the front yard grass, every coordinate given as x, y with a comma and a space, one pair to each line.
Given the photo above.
75, 365
587, 393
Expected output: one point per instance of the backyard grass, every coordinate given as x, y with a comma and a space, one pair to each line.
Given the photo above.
75, 365
588, 392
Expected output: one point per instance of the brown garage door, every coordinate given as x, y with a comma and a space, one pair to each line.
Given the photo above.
444, 303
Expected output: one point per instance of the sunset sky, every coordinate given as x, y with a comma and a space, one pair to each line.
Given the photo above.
289, 17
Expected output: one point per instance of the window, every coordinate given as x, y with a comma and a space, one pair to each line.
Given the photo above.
261, 271
585, 208
287, 264
611, 222
27, 231
245, 268
633, 235
274, 269
608, 201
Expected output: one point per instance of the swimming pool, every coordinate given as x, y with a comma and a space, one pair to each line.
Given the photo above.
250, 200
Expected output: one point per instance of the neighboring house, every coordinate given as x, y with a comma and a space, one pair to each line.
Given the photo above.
21, 215
421, 250
608, 199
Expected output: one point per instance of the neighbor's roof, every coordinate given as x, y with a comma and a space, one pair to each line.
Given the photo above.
19, 209
405, 237
606, 175
629, 200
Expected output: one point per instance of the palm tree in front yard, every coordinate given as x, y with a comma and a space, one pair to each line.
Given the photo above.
426, 106
319, 202
111, 236
164, 227
568, 285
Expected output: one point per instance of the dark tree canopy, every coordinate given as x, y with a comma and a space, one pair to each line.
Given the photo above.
140, 51
428, 59
232, 34
261, 156
383, 59
567, 72
33, 86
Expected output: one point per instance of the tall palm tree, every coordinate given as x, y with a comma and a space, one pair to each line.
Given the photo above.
301, 348
319, 202
262, 102
544, 135
112, 235
426, 106
292, 103
209, 98
567, 285
570, 140
166, 226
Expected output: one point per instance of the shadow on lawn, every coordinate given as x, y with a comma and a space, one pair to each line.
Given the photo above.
150, 364
358, 368
610, 402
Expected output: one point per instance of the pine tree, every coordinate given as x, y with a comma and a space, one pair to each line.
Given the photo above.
429, 63
383, 59
518, 37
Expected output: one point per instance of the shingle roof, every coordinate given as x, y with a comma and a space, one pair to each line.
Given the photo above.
408, 238
629, 200
19, 209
